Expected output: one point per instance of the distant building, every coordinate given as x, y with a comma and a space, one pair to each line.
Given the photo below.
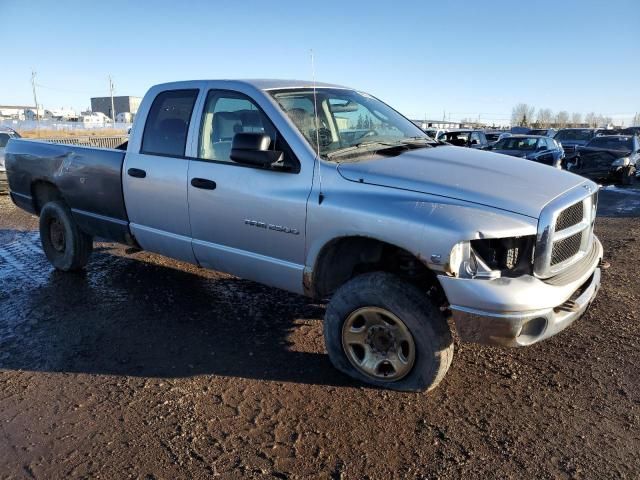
438, 124
124, 117
64, 114
15, 112
94, 118
31, 113
120, 105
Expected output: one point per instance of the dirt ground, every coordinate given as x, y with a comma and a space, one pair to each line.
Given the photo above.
142, 367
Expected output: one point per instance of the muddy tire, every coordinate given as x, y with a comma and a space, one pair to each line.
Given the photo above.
65, 245
383, 331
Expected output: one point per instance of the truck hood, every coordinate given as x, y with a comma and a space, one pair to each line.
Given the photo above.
485, 178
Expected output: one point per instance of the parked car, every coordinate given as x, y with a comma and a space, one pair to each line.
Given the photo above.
610, 158
399, 231
5, 135
571, 138
493, 137
630, 131
465, 138
532, 147
545, 132
434, 132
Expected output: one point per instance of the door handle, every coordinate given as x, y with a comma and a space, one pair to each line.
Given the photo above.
136, 172
203, 183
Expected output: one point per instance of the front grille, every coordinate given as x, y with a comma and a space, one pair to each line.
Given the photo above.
565, 232
570, 216
566, 248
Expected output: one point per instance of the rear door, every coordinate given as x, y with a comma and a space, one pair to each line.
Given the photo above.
246, 220
155, 175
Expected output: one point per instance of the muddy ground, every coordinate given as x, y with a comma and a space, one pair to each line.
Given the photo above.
143, 367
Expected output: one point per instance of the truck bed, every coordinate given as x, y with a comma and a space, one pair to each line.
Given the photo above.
88, 179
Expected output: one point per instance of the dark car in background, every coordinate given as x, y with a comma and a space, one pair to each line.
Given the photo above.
545, 132
5, 135
630, 131
613, 158
538, 148
465, 138
493, 136
572, 138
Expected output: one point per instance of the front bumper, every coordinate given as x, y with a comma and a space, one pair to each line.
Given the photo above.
521, 311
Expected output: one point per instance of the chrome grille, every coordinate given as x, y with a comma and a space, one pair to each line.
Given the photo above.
570, 216
565, 230
566, 248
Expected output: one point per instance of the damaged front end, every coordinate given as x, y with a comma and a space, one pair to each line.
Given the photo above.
492, 257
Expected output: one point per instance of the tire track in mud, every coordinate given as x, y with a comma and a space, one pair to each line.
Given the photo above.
23, 267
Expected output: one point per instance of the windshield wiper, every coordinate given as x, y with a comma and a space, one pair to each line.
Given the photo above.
358, 146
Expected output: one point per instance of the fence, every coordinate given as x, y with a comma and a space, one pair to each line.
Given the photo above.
90, 141
48, 124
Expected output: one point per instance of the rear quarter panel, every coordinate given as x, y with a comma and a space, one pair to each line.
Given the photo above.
89, 180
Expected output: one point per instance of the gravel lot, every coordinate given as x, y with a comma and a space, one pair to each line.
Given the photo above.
142, 367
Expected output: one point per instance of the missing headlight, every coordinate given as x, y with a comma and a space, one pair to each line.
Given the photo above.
513, 256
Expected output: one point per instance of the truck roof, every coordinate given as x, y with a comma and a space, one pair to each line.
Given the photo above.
260, 84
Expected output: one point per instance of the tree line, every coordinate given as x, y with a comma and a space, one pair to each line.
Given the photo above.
525, 115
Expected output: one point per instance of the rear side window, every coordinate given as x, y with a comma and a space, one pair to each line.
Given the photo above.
4, 138
165, 132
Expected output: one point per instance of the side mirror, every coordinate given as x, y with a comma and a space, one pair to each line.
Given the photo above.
253, 149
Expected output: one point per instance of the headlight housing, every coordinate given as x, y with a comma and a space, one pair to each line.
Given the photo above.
621, 162
492, 257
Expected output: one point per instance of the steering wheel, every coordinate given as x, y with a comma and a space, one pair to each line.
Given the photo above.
322, 135
370, 133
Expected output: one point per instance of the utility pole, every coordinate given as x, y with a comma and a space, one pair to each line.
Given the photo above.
35, 97
113, 112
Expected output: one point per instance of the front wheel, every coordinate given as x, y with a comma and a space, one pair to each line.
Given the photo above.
382, 330
66, 246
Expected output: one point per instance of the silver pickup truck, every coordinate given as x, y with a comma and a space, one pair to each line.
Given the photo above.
326, 191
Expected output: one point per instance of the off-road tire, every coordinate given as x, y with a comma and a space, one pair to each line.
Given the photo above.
77, 245
430, 331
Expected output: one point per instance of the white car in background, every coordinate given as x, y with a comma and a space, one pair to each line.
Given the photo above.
5, 135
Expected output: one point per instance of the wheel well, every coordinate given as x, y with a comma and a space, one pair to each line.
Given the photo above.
344, 258
43, 192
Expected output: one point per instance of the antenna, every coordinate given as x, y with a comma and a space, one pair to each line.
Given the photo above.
315, 111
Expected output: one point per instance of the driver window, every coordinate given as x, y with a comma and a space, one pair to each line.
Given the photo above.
475, 138
226, 114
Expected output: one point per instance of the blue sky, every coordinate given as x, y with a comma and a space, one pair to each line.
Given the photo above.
468, 58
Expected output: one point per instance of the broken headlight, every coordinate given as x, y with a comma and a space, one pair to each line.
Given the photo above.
492, 257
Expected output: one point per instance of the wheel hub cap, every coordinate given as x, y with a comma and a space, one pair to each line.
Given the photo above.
378, 344
56, 235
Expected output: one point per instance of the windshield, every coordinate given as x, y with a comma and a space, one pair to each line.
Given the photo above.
613, 143
574, 135
516, 143
492, 136
347, 122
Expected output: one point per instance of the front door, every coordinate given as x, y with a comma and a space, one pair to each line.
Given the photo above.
245, 220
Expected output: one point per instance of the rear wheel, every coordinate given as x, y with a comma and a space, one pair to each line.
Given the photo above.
66, 246
382, 330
